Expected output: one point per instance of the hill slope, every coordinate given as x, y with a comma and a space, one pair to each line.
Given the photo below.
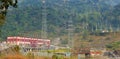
27, 18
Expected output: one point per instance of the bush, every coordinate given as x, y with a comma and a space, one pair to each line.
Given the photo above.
30, 55
54, 57
113, 45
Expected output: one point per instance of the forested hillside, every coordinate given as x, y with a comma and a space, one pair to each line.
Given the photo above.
87, 15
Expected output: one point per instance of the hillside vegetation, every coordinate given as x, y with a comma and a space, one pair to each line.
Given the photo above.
87, 16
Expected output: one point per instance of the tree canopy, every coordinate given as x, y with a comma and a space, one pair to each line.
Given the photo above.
4, 4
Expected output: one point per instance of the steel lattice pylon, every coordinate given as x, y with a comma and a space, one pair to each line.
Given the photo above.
70, 33
70, 26
44, 20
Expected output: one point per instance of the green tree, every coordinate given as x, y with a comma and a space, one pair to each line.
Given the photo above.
4, 4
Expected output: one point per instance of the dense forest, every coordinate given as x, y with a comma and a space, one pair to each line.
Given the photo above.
87, 16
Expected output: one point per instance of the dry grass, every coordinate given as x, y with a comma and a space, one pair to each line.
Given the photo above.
42, 57
22, 57
14, 57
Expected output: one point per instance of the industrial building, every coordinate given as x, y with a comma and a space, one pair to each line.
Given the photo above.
25, 41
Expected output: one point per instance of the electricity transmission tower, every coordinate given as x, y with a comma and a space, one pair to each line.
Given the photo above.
70, 28
70, 33
44, 20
